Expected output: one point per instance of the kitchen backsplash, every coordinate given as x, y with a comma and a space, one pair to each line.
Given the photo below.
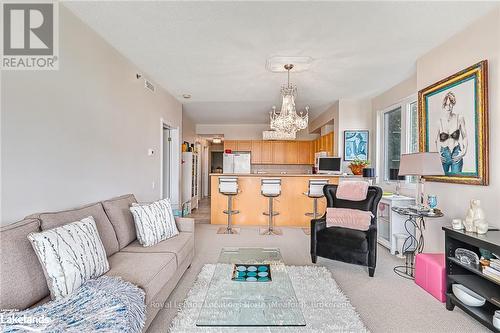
274, 168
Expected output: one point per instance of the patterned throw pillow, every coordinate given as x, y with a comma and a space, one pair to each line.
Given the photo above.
154, 222
70, 255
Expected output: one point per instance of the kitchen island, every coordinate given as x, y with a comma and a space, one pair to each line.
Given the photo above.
292, 204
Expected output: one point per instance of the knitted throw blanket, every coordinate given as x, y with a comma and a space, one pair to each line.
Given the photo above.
106, 304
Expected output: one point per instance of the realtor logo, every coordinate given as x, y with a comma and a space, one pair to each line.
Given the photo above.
30, 36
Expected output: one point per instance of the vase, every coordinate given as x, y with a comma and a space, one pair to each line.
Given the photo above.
480, 222
357, 169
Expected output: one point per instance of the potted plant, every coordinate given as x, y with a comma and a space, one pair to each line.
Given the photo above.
357, 166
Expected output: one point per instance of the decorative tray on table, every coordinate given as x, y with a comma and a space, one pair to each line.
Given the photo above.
251, 273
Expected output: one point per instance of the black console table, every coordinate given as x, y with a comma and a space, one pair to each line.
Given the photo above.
470, 276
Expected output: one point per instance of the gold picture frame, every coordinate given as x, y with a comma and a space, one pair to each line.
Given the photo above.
458, 134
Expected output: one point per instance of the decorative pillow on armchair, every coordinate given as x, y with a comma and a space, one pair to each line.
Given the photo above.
154, 222
348, 218
70, 255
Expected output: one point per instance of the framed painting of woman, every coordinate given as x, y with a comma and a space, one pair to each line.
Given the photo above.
453, 121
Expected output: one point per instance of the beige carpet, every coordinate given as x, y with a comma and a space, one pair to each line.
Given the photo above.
386, 302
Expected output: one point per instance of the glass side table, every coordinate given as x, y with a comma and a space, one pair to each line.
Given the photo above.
413, 244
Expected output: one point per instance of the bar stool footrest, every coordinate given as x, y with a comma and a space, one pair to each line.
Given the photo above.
273, 213
231, 212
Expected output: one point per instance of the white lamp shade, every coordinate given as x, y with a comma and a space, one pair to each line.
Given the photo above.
421, 164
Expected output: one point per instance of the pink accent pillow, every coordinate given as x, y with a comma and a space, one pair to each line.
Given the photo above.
348, 218
352, 190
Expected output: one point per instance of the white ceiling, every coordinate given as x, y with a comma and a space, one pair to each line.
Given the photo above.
217, 51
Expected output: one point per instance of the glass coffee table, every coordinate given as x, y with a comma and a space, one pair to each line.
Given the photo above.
236, 303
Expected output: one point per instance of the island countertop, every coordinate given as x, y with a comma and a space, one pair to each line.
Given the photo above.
274, 174
292, 204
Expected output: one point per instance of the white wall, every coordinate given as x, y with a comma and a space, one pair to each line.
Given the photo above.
188, 129
479, 41
80, 134
354, 114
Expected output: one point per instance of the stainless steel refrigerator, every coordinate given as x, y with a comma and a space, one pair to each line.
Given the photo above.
236, 163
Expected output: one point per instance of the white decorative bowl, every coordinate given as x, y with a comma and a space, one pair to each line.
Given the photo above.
467, 296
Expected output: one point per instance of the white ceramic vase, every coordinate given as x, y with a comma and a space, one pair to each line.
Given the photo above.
480, 225
469, 221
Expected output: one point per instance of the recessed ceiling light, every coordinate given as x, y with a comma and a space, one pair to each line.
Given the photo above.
186, 96
217, 140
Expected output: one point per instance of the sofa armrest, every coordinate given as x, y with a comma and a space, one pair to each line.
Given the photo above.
185, 224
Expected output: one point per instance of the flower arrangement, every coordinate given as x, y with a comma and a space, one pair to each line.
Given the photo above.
357, 166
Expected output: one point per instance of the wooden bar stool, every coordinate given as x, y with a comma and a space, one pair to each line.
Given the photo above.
315, 192
228, 186
271, 188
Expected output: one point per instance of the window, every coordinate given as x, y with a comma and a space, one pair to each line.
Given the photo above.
392, 140
398, 128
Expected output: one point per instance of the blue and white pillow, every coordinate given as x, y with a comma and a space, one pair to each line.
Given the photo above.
154, 222
70, 255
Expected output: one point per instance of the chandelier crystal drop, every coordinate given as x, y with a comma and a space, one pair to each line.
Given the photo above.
287, 120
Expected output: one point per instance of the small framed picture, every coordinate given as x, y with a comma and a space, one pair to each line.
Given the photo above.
356, 145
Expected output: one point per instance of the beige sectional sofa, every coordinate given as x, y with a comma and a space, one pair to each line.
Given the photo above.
156, 269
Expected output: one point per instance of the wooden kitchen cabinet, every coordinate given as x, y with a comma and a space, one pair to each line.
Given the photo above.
282, 152
329, 143
266, 152
244, 145
256, 152
278, 152
291, 152
231, 144
304, 152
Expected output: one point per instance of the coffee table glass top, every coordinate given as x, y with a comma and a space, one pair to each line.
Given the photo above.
236, 303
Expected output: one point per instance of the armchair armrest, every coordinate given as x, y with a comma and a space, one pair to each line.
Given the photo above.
316, 226
185, 224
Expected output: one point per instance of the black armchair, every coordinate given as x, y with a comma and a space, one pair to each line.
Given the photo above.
343, 244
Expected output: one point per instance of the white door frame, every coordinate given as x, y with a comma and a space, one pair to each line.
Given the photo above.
175, 165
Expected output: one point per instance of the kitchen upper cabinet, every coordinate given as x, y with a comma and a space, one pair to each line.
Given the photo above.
231, 144
304, 152
266, 152
291, 152
329, 143
256, 152
323, 143
245, 145
278, 149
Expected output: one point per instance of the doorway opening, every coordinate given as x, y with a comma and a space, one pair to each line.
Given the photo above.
170, 165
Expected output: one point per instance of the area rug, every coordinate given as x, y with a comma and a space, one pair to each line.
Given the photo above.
325, 307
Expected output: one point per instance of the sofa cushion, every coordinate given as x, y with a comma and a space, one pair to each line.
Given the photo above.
149, 271
104, 226
22, 282
181, 245
118, 212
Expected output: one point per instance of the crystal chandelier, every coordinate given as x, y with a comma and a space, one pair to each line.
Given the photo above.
288, 121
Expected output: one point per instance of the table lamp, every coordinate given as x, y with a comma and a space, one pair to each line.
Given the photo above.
421, 164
